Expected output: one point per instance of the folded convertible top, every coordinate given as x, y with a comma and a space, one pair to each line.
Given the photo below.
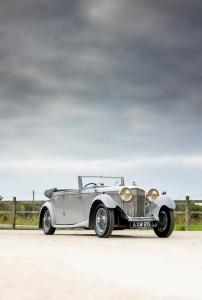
48, 193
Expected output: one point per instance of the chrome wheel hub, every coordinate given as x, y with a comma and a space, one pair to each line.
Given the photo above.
101, 220
46, 221
163, 221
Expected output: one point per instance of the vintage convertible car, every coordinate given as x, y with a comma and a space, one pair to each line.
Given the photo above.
106, 204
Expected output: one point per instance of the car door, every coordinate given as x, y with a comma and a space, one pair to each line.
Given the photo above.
77, 205
73, 208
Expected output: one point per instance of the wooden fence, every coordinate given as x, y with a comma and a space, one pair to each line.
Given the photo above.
15, 210
188, 213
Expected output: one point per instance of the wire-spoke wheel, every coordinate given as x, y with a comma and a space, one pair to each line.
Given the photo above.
46, 223
104, 221
165, 225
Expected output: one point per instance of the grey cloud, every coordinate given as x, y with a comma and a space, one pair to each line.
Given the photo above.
100, 79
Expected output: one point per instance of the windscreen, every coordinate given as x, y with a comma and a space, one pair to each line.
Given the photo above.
101, 181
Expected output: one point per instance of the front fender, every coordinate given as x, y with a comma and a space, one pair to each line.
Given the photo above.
47, 205
162, 200
106, 200
102, 198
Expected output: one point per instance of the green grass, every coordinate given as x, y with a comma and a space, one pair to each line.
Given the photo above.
34, 219
192, 227
30, 220
195, 227
26, 219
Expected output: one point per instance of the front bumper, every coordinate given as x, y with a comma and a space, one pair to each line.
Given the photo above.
143, 219
143, 222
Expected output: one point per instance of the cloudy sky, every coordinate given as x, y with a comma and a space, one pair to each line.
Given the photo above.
105, 87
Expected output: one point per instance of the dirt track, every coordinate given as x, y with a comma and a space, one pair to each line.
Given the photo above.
78, 265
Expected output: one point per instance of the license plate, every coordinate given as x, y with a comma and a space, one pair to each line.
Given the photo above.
141, 224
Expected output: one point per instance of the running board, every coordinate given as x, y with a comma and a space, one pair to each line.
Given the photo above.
82, 224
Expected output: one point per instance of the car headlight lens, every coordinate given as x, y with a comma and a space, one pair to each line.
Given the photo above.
126, 194
152, 194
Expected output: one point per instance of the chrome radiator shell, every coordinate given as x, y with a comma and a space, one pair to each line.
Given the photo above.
136, 206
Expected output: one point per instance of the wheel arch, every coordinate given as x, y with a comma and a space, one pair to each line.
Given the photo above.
47, 205
165, 201
165, 232
92, 212
161, 202
104, 199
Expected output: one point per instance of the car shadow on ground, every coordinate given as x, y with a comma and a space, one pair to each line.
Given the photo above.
133, 236
113, 236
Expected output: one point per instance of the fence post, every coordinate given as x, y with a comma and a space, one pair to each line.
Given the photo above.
14, 212
187, 213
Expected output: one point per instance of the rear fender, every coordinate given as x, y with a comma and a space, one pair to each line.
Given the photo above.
47, 205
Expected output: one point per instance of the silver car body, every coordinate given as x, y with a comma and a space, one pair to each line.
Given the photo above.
71, 208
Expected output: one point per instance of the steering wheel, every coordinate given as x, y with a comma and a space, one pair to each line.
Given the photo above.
90, 183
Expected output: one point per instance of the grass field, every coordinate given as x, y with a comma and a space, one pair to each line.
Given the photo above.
28, 215
192, 227
33, 220
26, 220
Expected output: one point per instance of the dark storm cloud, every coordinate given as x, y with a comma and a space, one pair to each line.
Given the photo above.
97, 80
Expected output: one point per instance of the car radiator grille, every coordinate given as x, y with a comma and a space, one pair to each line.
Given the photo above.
135, 207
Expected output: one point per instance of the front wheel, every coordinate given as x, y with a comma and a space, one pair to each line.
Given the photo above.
166, 223
46, 223
104, 221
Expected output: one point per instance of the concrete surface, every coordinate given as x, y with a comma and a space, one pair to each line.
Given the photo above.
77, 265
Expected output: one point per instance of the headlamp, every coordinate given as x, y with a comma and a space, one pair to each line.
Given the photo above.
125, 194
152, 194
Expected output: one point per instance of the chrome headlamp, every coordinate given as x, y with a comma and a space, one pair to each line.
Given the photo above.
152, 194
126, 194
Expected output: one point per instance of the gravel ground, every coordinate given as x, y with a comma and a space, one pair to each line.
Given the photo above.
75, 264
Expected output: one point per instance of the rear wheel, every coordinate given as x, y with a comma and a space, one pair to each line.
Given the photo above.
166, 223
104, 221
46, 223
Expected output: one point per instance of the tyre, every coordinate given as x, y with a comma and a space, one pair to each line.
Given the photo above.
166, 223
46, 223
104, 221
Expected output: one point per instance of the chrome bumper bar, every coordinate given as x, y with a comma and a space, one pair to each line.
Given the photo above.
144, 219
